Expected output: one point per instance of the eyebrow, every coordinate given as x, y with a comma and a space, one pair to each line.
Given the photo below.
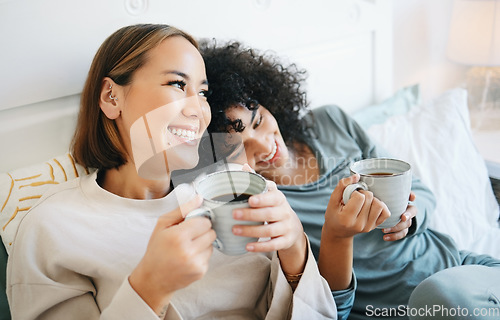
254, 113
182, 74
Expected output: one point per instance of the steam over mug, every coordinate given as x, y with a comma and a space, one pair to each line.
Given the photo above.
222, 192
389, 180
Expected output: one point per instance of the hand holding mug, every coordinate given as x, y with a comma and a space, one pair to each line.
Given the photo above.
223, 192
282, 228
177, 254
361, 214
401, 230
389, 180
282, 232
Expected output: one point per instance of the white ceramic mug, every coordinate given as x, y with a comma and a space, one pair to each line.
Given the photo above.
222, 192
389, 180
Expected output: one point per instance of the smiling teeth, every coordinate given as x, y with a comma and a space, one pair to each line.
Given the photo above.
183, 133
271, 155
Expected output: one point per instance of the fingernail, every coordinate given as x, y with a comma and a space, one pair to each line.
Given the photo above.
237, 214
236, 230
387, 238
250, 247
254, 200
386, 230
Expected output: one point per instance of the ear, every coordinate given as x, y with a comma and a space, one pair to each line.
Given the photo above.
109, 106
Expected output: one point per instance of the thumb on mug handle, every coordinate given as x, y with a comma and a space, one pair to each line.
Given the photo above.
201, 212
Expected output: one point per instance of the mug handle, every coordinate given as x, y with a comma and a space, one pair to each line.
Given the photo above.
351, 188
209, 214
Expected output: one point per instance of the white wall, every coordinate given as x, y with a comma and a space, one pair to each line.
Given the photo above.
420, 38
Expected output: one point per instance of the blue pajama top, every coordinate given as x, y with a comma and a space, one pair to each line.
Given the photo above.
386, 272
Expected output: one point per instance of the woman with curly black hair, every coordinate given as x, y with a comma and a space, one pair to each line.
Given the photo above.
250, 79
261, 102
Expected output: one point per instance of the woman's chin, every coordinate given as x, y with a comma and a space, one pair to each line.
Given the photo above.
182, 161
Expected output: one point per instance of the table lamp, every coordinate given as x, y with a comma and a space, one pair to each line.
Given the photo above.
474, 40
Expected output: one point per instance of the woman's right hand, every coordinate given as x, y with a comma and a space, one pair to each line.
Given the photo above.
178, 254
362, 213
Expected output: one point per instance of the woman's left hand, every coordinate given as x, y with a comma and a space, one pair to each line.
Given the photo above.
283, 228
400, 230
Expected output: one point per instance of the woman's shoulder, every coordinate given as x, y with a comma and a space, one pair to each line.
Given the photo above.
328, 119
53, 200
329, 112
48, 214
328, 108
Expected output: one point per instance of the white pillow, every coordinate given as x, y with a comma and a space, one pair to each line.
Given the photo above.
22, 188
435, 139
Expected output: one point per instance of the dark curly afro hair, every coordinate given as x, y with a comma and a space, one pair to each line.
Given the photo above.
238, 75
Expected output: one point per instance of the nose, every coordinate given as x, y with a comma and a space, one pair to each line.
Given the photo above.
193, 107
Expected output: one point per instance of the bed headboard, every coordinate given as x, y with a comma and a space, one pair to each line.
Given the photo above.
346, 45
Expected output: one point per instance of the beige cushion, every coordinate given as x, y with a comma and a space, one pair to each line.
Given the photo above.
20, 189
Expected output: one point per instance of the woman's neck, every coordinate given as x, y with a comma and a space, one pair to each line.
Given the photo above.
125, 182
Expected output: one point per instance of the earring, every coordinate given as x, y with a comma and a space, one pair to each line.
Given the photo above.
111, 93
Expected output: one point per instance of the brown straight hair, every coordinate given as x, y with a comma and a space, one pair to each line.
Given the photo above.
97, 142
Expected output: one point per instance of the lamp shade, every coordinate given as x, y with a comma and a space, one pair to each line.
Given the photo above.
474, 37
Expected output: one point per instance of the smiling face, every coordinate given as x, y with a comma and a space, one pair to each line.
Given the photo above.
164, 110
263, 147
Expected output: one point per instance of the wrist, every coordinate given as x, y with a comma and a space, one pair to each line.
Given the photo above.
293, 279
150, 294
293, 259
335, 261
333, 236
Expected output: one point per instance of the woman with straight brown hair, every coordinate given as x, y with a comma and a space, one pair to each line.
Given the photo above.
115, 245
